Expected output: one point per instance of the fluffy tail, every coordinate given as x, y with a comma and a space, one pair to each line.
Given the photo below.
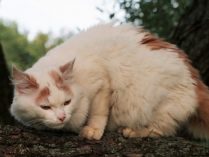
199, 123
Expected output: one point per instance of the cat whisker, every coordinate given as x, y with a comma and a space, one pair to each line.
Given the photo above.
33, 122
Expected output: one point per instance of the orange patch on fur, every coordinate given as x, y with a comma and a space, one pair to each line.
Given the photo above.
201, 119
155, 43
59, 82
57, 78
43, 94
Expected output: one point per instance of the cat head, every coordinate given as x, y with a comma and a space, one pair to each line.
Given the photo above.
45, 99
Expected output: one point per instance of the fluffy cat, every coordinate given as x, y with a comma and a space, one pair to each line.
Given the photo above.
115, 78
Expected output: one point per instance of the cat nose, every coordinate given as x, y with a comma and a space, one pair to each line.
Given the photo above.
61, 118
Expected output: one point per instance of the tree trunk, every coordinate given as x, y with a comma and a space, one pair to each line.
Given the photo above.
192, 35
16, 142
6, 90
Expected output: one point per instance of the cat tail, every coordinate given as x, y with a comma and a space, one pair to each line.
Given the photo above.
199, 123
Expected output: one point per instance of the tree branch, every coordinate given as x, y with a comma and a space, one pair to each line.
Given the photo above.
24, 142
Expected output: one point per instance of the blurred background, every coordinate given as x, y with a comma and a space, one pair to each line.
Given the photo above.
29, 28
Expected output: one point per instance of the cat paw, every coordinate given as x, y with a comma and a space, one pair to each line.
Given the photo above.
91, 133
130, 133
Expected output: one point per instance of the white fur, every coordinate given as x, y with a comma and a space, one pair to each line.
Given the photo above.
145, 88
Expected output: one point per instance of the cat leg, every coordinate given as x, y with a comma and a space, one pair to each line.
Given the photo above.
164, 122
99, 112
143, 132
167, 116
164, 125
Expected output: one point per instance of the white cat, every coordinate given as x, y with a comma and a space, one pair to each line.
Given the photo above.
113, 78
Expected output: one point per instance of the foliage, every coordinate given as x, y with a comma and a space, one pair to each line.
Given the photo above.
159, 16
21, 51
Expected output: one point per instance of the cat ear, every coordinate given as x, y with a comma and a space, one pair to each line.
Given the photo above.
67, 70
24, 83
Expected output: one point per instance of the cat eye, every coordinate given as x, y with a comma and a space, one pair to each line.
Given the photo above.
45, 107
67, 102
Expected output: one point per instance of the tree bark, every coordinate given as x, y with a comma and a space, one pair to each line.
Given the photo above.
5, 90
23, 142
192, 35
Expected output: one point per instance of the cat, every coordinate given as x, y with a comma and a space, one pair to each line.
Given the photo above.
112, 78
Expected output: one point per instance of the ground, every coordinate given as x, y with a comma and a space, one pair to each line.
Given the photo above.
18, 141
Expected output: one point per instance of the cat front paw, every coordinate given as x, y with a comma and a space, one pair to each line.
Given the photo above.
91, 133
